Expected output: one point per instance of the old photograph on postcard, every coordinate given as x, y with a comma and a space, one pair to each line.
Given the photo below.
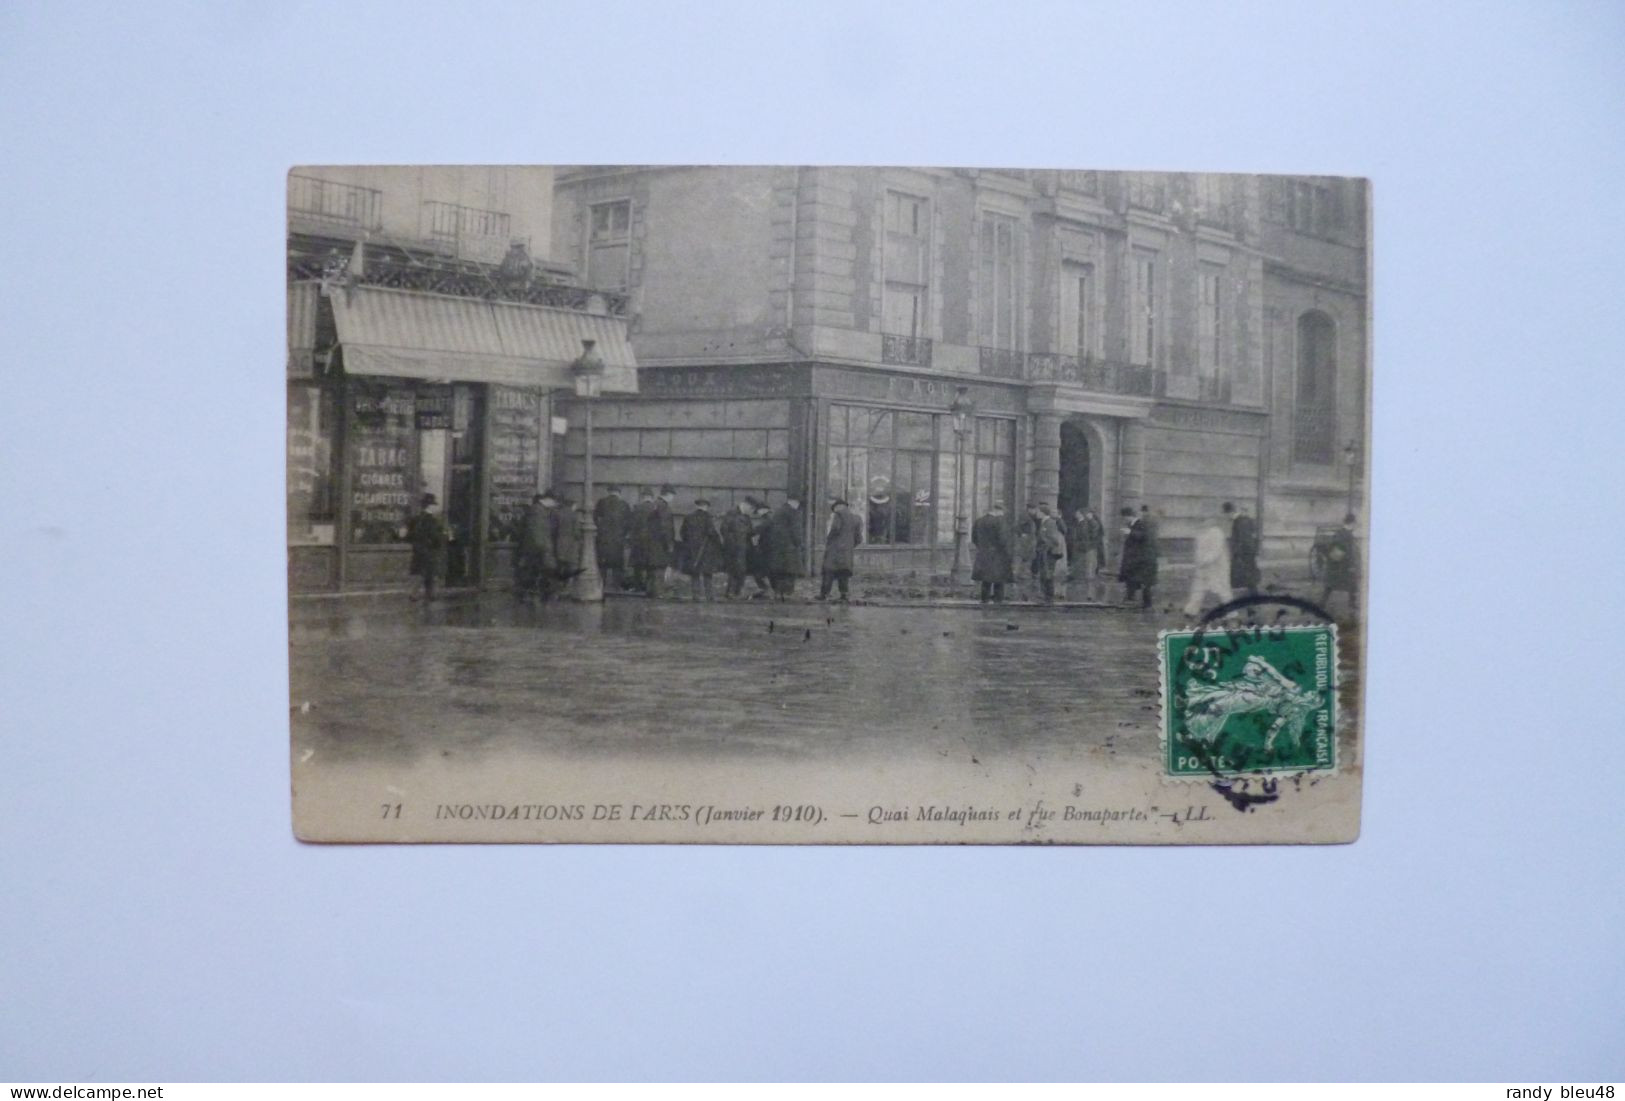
826, 504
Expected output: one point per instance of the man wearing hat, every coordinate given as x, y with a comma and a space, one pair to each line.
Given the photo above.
613, 516
783, 539
734, 529
990, 539
539, 544
429, 536
756, 563
1138, 569
651, 541
1051, 558
701, 549
845, 533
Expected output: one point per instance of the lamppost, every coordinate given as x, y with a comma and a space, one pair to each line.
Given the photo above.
588, 372
1351, 453
961, 408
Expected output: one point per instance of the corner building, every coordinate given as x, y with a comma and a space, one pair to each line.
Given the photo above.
1124, 338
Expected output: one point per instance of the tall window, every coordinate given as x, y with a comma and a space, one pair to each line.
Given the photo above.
880, 461
1077, 309
1315, 419
609, 245
998, 282
1143, 307
1209, 357
908, 251
989, 447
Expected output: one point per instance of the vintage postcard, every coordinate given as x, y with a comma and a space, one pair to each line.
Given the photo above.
826, 504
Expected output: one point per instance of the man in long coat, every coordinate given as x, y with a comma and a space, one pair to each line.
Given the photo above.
783, 538
1087, 552
1051, 558
1138, 571
991, 540
539, 543
527, 557
1244, 574
701, 548
734, 529
652, 540
613, 517
429, 536
1212, 574
756, 560
845, 533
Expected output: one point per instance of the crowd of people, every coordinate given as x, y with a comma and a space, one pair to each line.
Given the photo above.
639, 547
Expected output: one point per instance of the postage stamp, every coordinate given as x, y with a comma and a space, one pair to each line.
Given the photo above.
1253, 700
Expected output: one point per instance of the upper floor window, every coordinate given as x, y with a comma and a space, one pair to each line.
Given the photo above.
908, 258
1143, 307
1315, 414
1210, 321
1147, 191
609, 245
1078, 325
998, 284
1305, 205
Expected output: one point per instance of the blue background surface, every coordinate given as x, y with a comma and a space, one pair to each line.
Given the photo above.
157, 921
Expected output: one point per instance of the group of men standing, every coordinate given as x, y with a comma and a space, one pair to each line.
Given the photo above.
638, 546
1051, 552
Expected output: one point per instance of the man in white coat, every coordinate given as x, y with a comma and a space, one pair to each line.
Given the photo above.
1212, 576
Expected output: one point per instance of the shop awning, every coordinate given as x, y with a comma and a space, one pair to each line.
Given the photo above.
412, 334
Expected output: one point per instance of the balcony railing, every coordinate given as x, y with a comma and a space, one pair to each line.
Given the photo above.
1000, 362
489, 284
453, 222
1314, 433
335, 204
1102, 376
906, 351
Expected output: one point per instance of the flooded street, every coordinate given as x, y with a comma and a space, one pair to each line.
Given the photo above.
793, 682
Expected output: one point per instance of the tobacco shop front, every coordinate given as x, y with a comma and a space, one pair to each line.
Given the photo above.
393, 394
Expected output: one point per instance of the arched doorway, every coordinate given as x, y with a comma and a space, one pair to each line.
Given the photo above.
1077, 462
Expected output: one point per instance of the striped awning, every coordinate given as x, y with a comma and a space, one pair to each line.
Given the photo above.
413, 334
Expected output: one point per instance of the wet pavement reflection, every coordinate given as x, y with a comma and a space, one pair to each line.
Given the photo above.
495, 677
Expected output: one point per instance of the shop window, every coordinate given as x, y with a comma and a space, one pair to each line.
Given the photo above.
312, 489
609, 245
517, 455
384, 461
893, 466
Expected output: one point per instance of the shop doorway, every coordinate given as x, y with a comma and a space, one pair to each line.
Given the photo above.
1076, 471
448, 428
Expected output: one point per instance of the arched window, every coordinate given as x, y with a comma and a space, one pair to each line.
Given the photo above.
1315, 415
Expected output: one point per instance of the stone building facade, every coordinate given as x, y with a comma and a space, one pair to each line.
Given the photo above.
1123, 338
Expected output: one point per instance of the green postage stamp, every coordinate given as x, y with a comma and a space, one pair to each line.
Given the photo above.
1249, 700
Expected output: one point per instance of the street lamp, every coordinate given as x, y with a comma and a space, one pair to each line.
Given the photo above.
1351, 453
588, 372
961, 408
